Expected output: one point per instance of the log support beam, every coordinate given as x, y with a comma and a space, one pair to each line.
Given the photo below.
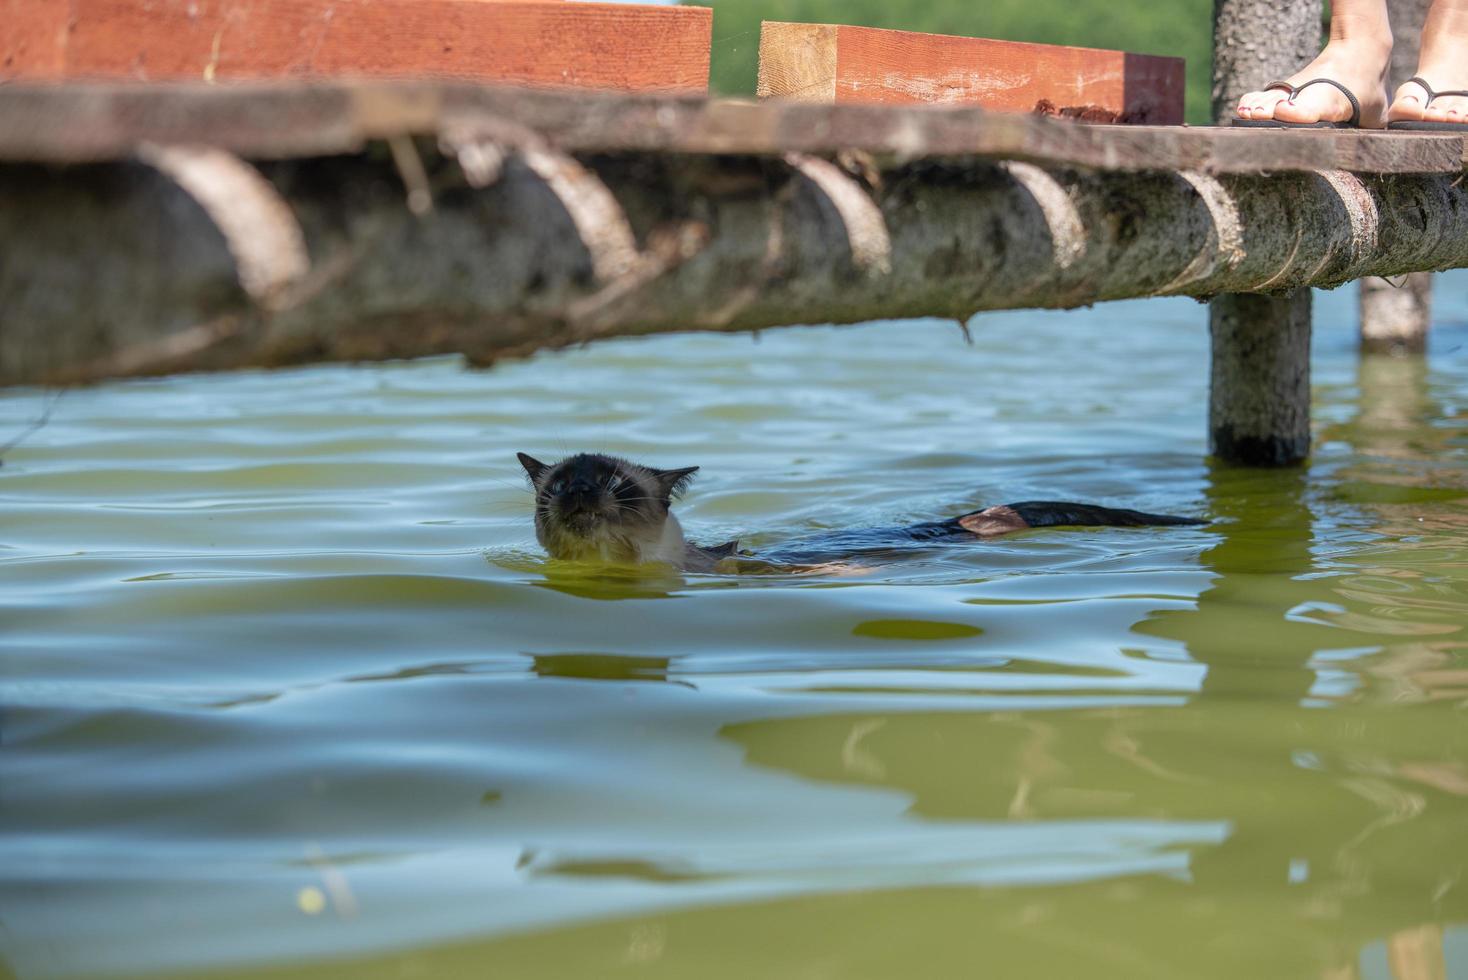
190, 259
1259, 392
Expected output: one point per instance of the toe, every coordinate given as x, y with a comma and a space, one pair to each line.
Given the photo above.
1259, 105
1455, 108
1410, 102
1407, 107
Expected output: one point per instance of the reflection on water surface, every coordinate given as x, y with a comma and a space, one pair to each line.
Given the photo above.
290, 692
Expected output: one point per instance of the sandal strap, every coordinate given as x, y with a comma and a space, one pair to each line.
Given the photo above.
1431, 93
1295, 90
1355, 119
1419, 80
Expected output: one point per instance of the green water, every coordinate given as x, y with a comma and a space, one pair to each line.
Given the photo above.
290, 691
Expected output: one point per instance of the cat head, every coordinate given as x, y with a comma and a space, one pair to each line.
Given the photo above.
590, 505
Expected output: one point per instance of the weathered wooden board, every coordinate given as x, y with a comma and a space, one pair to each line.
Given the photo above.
75, 123
622, 47
838, 63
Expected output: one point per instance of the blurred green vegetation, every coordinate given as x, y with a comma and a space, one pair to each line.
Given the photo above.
1182, 28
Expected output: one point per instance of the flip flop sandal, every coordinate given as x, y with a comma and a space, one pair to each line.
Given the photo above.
1353, 123
1426, 126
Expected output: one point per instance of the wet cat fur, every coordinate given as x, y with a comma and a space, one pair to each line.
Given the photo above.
603, 507
591, 506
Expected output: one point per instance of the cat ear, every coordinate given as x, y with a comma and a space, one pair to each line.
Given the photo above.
674, 482
532, 466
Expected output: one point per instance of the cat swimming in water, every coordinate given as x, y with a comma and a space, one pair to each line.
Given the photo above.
591, 506
603, 507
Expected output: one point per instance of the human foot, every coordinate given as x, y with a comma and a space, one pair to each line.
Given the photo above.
1441, 65
1437, 98
1360, 66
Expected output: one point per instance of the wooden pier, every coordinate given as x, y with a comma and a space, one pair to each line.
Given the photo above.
148, 229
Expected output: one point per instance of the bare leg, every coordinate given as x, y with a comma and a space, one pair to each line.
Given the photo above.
1357, 56
1443, 63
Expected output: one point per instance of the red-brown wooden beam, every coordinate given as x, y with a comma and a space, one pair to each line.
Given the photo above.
33, 39
837, 63
621, 47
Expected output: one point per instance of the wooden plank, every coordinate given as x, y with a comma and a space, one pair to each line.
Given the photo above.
73, 123
622, 47
839, 63
802, 62
33, 39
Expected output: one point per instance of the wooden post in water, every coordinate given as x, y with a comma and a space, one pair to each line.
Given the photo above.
1259, 392
1259, 410
1394, 318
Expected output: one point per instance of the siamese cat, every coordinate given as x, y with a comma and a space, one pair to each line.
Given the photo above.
591, 506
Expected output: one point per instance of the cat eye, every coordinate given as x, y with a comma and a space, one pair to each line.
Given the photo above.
613, 481
558, 486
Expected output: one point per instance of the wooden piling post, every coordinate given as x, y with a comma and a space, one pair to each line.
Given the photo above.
1259, 392
1395, 317
1259, 409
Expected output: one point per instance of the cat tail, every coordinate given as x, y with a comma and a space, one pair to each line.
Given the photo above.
1054, 513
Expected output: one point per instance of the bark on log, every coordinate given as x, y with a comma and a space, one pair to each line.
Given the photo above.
1395, 317
1259, 394
1256, 42
116, 269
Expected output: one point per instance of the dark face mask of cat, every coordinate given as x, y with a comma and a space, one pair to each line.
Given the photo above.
602, 507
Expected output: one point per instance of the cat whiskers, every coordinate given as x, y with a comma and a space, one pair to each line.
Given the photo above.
635, 500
